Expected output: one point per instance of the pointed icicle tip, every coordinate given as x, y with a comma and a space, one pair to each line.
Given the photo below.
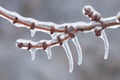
69, 55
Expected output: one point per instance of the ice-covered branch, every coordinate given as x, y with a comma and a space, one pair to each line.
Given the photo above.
61, 33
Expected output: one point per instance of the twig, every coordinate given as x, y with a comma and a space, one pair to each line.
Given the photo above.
60, 33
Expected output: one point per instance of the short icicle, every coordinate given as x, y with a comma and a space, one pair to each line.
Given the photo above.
32, 51
32, 33
49, 53
106, 44
69, 55
79, 50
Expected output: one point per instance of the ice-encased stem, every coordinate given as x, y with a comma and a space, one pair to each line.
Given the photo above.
49, 53
106, 44
79, 50
69, 55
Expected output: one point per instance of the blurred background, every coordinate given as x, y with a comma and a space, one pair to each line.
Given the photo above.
16, 64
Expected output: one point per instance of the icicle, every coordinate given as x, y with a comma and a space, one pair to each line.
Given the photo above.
32, 51
32, 33
54, 35
79, 50
106, 44
69, 55
49, 53
25, 42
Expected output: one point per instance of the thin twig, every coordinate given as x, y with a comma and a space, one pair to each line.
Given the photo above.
96, 18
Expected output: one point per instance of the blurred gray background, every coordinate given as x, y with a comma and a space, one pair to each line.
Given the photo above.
16, 64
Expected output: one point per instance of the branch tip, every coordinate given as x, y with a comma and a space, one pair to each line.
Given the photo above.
20, 45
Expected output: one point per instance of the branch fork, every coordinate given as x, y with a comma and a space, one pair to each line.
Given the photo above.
63, 32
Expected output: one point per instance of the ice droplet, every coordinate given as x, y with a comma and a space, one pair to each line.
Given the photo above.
106, 44
79, 50
69, 55
49, 53
32, 51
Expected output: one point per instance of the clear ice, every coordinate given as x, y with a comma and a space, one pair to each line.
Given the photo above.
106, 44
55, 34
32, 33
32, 51
79, 50
69, 55
49, 53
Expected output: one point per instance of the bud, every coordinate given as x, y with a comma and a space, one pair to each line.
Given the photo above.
96, 17
97, 32
87, 10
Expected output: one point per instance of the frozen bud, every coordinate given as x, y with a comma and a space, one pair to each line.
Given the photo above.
90, 15
96, 17
97, 32
87, 10
19, 45
44, 45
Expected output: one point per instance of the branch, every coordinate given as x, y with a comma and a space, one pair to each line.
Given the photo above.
61, 33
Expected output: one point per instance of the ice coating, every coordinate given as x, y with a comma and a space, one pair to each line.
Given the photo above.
111, 19
25, 19
32, 50
38, 23
48, 49
91, 9
106, 44
69, 55
5, 11
25, 42
79, 50
87, 7
118, 15
93, 25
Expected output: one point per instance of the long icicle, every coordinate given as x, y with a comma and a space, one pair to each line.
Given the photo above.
106, 44
79, 50
69, 55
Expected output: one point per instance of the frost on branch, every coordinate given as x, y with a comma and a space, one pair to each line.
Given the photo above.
61, 33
